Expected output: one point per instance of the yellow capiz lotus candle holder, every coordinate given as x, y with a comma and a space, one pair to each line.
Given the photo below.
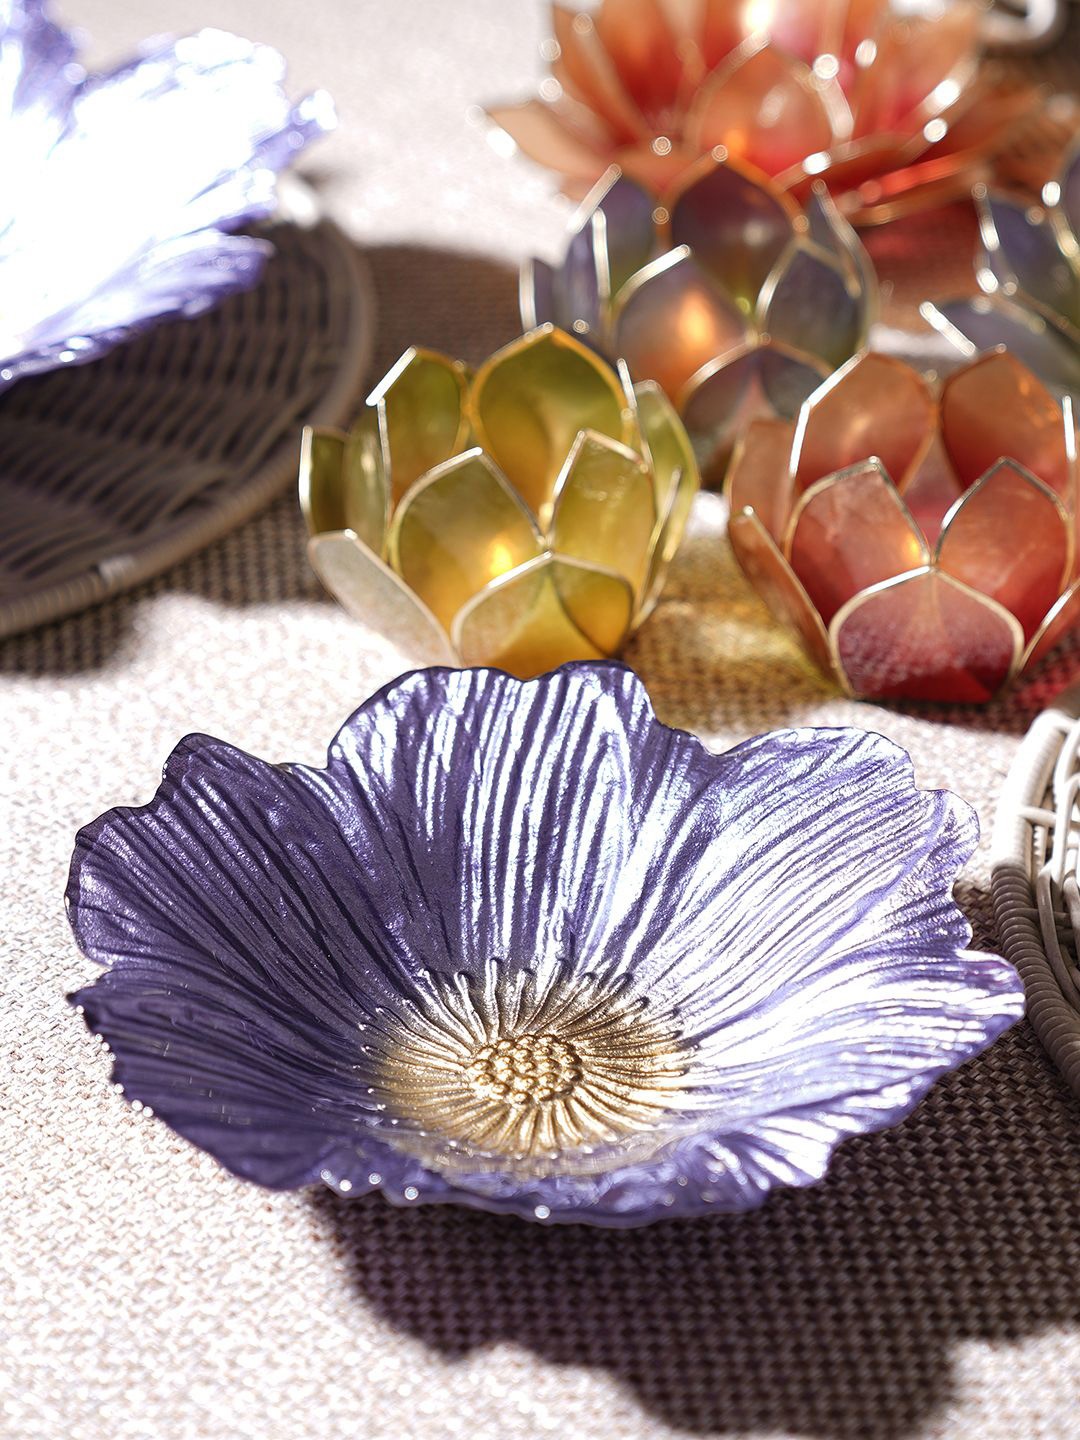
888, 104
922, 544
520, 517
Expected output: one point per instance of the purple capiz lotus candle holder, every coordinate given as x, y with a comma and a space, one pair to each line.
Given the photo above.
118, 189
520, 946
733, 298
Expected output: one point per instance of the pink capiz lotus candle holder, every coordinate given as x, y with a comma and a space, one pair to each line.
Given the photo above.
886, 101
921, 543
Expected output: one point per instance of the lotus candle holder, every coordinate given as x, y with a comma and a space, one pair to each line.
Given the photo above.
890, 106
922, 545
119, 189
729, 295
522, 947
1029, 272
520, 517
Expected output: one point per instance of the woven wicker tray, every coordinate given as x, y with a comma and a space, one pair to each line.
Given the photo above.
1035, 868
112, 472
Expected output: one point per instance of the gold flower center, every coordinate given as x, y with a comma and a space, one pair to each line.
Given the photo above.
525, 1070
529, 1079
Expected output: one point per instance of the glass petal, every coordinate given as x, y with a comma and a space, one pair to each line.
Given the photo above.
794, 26
722, 30
876, 406
777, 584
759, 478
786, 378
629, 230
992, 268
672, 455
861, 171
995, 409
831, 231
765, 110
1062, 620
669, 536
736, 228
655, 167
456, 531
585, 68
809, 28
849, 532
822, 217
637, 36
366, 485
370, 591
675, 480
762, 382
543, 615
863, 20
577, 281
536, 294
545, 136
322, 460
1022, 246
421, 416
1009, 538
810, 304
599, 604
926, 637
913, 58
979, 123
672, 319
530, 400
986, 321
605, 513
1069, 185
932, 489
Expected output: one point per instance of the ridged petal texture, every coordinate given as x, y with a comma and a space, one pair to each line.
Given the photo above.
521, 946
116, 189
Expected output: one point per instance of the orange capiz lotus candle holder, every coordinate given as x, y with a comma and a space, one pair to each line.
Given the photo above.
520, 517
890, 107
921, 544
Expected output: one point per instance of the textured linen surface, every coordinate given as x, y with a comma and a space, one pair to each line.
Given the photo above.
930, 1288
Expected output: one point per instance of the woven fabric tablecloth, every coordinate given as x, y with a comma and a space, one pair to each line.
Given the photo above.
930, 1287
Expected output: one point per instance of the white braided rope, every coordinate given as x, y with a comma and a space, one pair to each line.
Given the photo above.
1035, 882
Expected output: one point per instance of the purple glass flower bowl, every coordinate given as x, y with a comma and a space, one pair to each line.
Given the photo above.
117, 189
522, 947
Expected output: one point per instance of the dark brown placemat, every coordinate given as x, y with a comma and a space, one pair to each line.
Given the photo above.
113, 471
